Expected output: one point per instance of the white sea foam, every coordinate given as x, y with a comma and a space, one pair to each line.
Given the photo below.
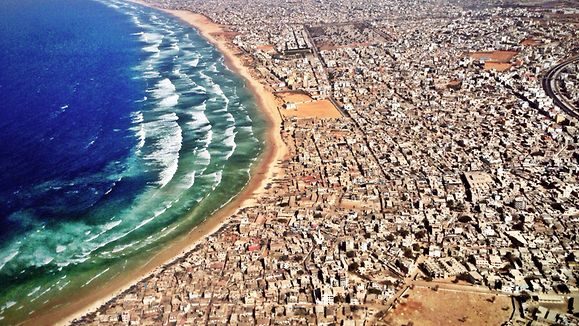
189, 180
194, 62
104, 228
151, 74
199, 89
216, 89
143, 223
229, 154
204, 155
94, 237
229, 141
212, 67
230, 117
122, 247
164, 88
8, 258
111, 225
9, 304
200, 130
152, 38
215, 177
41, 258
96, 276
205, 78
201, 107
168, 140
163, 143
41, 294
36, 289
199, 120
209, 137
152, 48
246, 128
137, 117
141, 135
169, 101
64, 285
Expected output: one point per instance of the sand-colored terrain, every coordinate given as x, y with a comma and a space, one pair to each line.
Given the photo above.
498, 66
495, 60
531, 42
495, 56
268, 48
426, 307
313, 109
89, 300
293, 97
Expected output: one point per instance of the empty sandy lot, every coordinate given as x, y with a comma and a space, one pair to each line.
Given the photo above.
313, 109
495, 56
293, 97
498, 66
426, 307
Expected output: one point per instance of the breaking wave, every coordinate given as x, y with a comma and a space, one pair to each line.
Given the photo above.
193, 138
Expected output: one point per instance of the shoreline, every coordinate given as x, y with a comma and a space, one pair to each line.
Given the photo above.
261, 174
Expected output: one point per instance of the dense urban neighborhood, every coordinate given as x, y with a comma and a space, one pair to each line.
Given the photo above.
431, 175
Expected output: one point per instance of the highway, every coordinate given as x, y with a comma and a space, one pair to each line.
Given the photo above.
551, 87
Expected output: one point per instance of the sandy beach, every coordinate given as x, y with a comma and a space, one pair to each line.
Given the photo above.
68, 309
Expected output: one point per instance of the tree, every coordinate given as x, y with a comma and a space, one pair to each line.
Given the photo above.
415, 247
562, 288
524, 296
374, 291
464, 219
498, 284
353, 267
420, 234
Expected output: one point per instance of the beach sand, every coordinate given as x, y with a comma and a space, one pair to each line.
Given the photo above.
68, 309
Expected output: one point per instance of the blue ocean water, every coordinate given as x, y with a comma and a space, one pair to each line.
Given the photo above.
120, 129
67, 92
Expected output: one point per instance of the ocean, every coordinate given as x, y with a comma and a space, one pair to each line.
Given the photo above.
120, 130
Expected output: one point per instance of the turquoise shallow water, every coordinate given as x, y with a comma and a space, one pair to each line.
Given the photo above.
175, 143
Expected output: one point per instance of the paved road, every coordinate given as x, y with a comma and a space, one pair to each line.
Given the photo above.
551, 87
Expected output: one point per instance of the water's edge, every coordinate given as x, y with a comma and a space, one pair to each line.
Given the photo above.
76, 303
